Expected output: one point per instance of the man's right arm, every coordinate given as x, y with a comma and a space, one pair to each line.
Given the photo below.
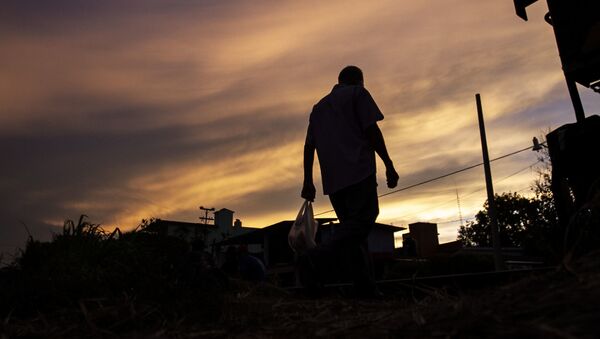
308, 187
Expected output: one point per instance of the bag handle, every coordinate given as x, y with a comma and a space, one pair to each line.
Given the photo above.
301, 212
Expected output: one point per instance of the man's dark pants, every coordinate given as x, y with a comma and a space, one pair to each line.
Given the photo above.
357, 208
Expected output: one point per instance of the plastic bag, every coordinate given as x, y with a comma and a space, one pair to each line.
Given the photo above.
303, 231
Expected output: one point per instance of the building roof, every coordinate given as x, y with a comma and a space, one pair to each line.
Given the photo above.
257, 236
390, 228
159, 223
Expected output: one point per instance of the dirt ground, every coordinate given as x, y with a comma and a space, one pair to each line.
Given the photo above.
560, 303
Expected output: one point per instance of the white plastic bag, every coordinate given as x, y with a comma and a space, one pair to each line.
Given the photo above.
303, 231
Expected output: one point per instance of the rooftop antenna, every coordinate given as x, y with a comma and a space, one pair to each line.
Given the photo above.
462, 223
205, 219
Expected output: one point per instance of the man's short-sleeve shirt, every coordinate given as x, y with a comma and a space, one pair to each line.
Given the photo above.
337, 130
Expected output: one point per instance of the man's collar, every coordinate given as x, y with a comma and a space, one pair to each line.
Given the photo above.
338, 86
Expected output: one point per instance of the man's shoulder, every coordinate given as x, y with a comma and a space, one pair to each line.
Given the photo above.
361, 90
321, 103
340, 93
354, 91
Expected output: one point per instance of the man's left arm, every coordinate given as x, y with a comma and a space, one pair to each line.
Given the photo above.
376, 141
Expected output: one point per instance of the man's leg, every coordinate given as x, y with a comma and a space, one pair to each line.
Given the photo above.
357, 209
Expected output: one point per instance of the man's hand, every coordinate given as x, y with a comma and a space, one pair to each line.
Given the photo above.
391, 176
308, 191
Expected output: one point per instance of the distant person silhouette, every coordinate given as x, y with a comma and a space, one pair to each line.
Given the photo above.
343, 130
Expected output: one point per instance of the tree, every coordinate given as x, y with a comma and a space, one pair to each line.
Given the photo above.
523, 222
517, 218
542, 187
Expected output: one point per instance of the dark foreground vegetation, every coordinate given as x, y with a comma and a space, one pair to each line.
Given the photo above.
90, 283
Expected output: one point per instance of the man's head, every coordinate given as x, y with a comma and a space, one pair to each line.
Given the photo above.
351, 75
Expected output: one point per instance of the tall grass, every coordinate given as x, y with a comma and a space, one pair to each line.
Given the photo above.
85, 262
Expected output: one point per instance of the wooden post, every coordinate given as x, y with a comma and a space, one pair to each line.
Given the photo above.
498, 261
575, 99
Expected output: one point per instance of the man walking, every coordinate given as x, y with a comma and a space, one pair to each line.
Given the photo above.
343, 130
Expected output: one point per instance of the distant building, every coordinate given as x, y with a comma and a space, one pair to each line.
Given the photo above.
226, 227
188, 231
269, 244
424, 236
422, 241
278, 257
203, 236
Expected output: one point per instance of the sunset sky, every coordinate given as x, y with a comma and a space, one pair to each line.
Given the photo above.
124, 110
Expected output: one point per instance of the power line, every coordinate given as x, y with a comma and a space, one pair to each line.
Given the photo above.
470, 193
451, 221
519, 171
442, 176
453, 173
456, 220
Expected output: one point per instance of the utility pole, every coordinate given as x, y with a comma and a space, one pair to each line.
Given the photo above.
206, 218
498, 261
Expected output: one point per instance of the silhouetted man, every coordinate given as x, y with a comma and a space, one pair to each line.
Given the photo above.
343, 130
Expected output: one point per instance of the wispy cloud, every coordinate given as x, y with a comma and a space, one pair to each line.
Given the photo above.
149, 108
